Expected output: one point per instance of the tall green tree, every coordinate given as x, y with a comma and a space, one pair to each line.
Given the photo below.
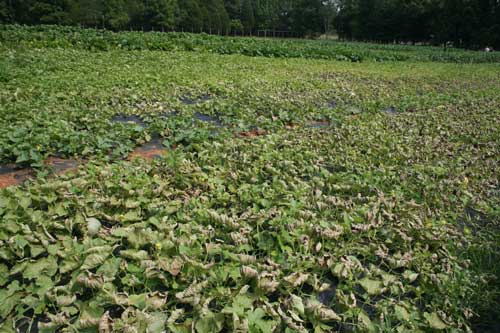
307, 17
7, 14
466, 23
233, 8
48, 11
159, 14
87, 12
247, 16
329, 13
116, 14
190, 16
267, 14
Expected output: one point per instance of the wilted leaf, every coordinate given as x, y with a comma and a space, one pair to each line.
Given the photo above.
94, 260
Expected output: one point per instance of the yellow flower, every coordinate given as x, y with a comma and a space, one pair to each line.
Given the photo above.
158, 246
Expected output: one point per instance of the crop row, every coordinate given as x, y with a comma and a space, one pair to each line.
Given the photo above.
89, 39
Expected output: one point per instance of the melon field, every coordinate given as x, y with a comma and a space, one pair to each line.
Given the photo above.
170, 182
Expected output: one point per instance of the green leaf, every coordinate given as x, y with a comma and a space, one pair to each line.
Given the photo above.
173, 206
110, 268
45, 266
401, 313
157, 322
410, 276
10, 298
135, 255
44, 284
69, 264
366, 322
94, 260
373, 287
139, 301
257, 323
434, 321
4, 274
239, 305
210, 323
297, 304
131, 216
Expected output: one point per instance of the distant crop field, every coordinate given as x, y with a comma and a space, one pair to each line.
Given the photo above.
101, 40
191, 183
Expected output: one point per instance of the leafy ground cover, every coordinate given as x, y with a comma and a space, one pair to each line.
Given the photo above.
71, 37
296, 194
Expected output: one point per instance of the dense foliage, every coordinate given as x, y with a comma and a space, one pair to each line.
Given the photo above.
472, 24
465, 23
370, 204
211, 16
103, 40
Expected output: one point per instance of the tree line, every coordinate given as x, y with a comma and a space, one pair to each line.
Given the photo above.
465, 23
212, 16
